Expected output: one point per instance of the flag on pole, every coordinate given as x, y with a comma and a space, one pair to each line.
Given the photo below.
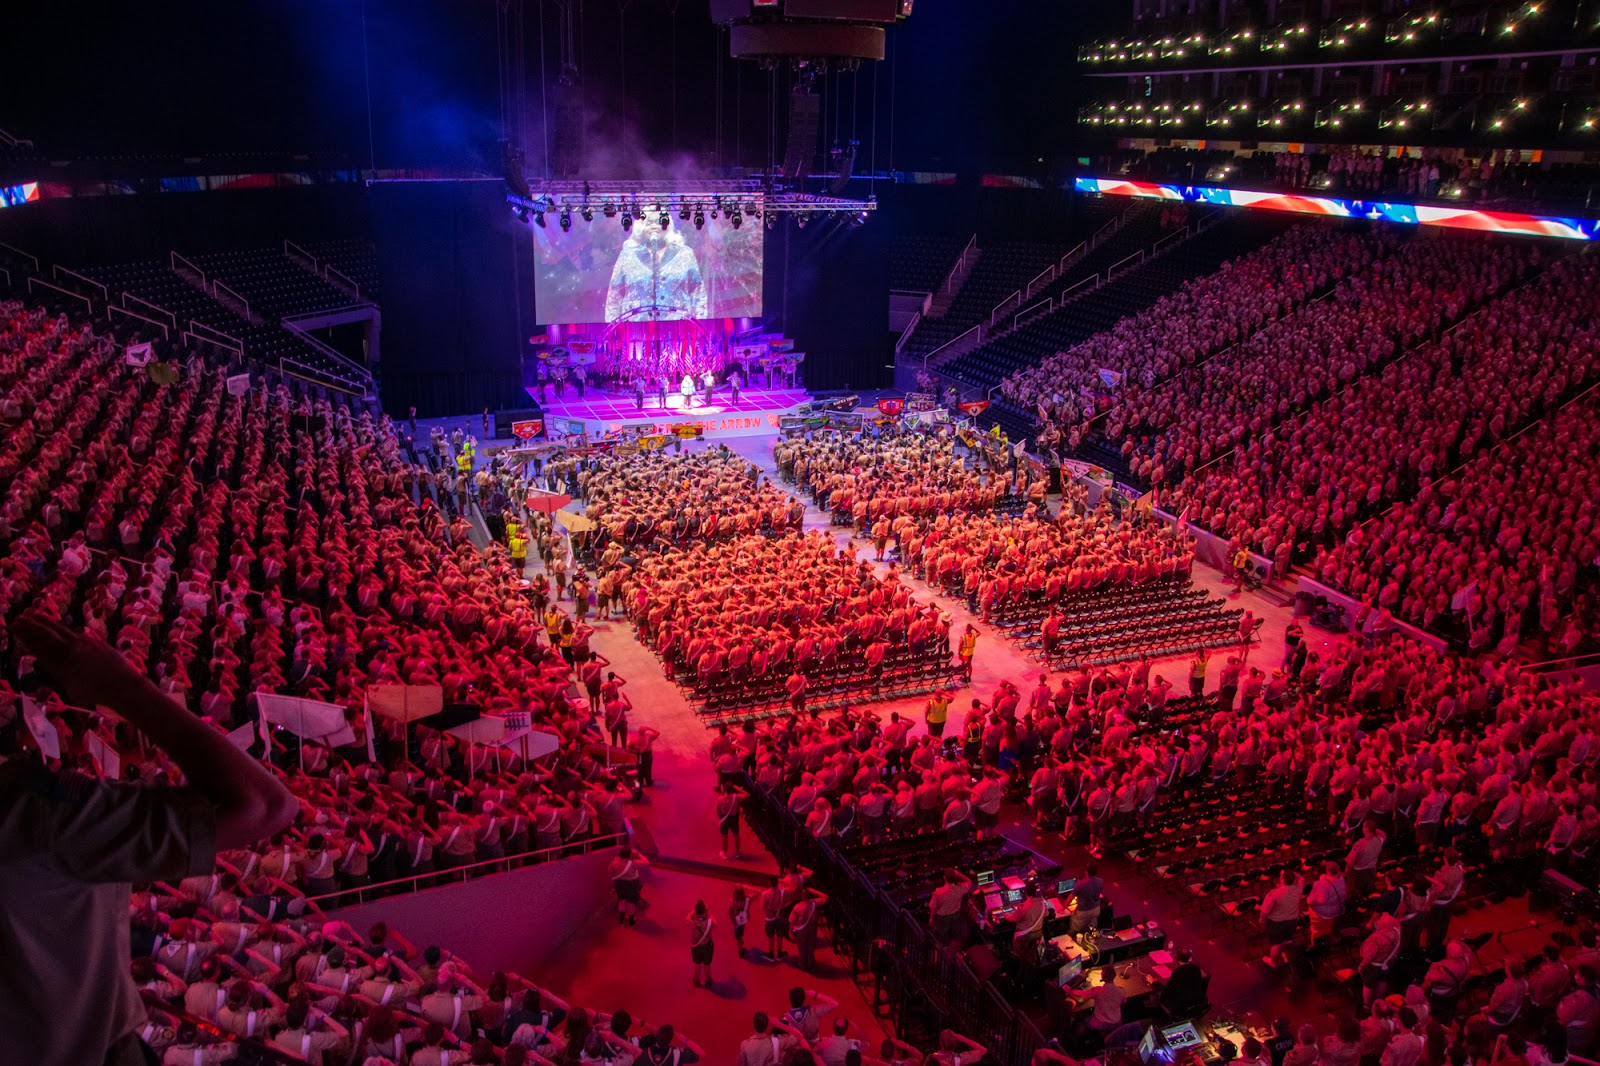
366, 712
105, 756
243, 737
263, 731
43, 730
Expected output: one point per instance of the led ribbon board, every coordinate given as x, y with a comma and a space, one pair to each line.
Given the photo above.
12, 195
1507, 222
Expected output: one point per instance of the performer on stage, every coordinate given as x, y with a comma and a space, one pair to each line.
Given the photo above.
687, 388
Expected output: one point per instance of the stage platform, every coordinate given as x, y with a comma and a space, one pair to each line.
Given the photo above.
604, 412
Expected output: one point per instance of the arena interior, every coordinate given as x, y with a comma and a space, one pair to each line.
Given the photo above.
800, 533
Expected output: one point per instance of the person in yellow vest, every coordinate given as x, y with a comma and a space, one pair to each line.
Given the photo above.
464, 463
1197, 672
969, 646
938, 713
519, 552
1241, 568
552, 623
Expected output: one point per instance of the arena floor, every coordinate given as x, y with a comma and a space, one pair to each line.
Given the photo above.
676, 825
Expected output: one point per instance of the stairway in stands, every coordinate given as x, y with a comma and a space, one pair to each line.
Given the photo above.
1141, 227
180, 294
1002, 269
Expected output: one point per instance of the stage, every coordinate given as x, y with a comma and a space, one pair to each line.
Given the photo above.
598, 412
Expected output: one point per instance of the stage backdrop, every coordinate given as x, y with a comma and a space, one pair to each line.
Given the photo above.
597, 271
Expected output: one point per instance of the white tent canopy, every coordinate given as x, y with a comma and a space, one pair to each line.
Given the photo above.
302, 717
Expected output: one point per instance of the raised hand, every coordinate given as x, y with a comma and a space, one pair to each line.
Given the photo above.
88, 669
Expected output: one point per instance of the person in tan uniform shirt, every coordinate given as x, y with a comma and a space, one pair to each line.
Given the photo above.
70, 846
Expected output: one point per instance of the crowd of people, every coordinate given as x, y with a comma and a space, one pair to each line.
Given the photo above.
1509, 541
1205, 316
1426, 746
669, 497
1398, 300
1426, 351
995, 561
873, 478
329, 993
1417, 173
1300, 486
229, 545
1425, 771
789, 606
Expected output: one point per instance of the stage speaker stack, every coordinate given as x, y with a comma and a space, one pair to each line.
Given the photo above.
805, 119
844, 165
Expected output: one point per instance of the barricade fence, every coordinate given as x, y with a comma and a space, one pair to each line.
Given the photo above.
921, 986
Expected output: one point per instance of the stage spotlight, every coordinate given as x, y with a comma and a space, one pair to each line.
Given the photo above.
665, 220
736, 218
588, 213
683, 212
610, 209
566, 221
699, 219
715, 204
801, 220
539, 218
627, 221
772, 221
522, 215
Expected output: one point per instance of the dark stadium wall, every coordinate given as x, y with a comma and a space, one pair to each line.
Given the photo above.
124, 229
827, 286
187, 77
457, 270
995, 214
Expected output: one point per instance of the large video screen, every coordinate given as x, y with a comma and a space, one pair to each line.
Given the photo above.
1576, 229
599, 272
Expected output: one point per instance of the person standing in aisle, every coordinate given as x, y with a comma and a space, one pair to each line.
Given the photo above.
701, 946
937, 713
969, 648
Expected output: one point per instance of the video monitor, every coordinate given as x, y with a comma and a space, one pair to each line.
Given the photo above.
597, 271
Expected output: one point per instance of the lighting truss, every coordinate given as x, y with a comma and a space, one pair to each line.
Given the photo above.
752, 198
